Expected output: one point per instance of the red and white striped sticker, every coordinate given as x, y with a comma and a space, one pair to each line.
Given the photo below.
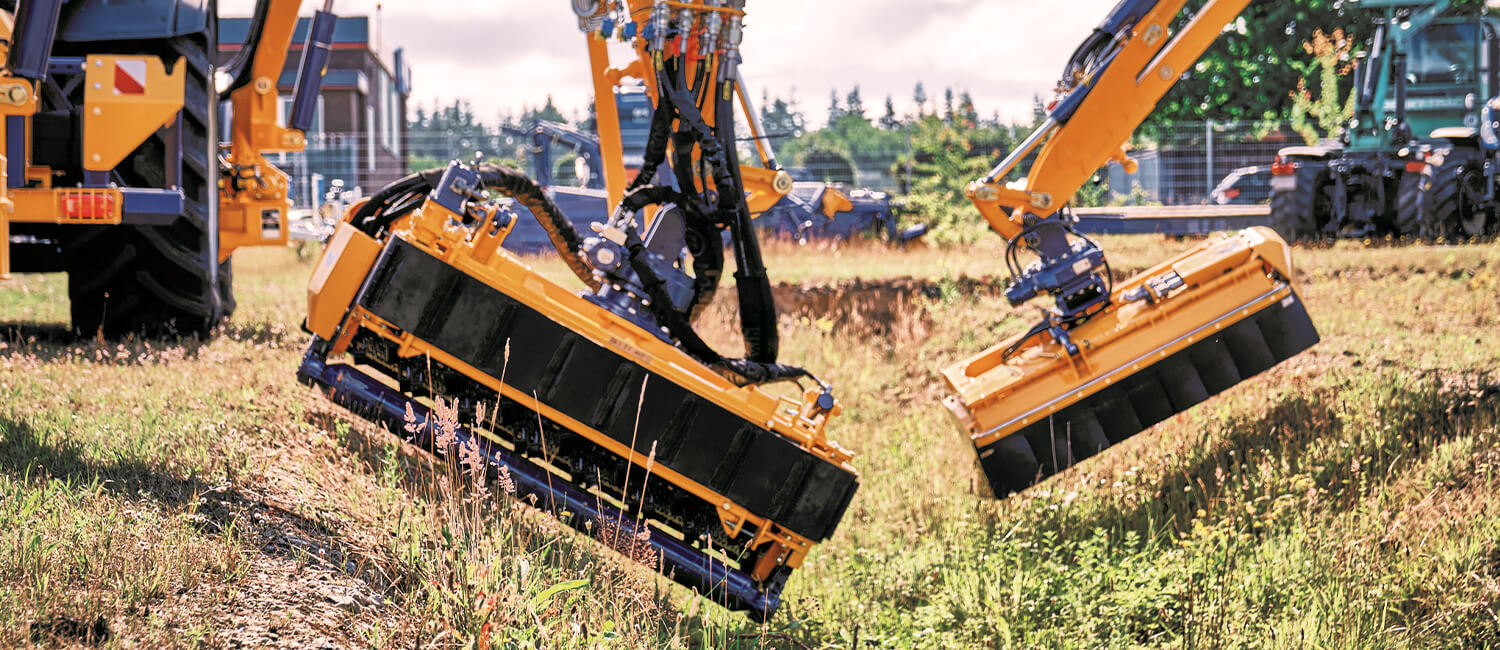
130, 77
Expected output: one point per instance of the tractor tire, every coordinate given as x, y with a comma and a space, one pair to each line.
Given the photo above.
158, 281
1407, 222
1452, 190
226, 288
1299, 210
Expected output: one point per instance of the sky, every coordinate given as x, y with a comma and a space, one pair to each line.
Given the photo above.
503, 55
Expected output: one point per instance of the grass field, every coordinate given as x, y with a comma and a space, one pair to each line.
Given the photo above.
185, 493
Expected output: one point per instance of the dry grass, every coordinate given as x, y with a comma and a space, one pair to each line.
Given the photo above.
185, 493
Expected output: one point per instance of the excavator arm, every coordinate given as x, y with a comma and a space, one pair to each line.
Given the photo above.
253, 193
1110, 359
1113, 83
765, 184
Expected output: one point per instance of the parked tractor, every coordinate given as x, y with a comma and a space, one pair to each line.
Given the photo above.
114, 173
1409, 163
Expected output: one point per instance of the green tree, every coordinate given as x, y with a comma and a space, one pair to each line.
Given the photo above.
780, 119
890, 121
854, 105
1247, 73
834, 110
919, 95
548, 112
967, 114
1319, 116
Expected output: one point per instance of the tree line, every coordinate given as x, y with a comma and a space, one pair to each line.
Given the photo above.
1257, 71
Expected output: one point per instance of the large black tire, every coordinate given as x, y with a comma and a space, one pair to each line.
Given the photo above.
1452, 192
1407, 221
226, 288
158, 280
1299, 210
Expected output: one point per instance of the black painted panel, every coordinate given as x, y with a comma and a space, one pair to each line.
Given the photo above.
753, 467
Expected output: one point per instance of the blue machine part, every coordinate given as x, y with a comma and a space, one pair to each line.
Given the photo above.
34, 31
144, 206
459, 184
112, 20
310, 71
369, 398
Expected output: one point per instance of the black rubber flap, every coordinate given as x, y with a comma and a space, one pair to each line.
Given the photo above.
1155, 393
472, 321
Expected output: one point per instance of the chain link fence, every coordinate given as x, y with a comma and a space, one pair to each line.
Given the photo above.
1187, 164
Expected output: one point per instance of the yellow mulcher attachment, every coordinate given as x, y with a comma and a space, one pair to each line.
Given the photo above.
607, 406
1109, 360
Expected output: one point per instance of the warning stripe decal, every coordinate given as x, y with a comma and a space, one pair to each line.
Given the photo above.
130, 77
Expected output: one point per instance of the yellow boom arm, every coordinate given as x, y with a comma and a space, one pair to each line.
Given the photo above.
1113, 358
253, 195
1118, 99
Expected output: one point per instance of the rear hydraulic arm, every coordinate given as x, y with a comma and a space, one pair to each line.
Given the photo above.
1111, 84
254, 213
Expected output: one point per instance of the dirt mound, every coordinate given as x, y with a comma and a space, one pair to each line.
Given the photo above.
870, 307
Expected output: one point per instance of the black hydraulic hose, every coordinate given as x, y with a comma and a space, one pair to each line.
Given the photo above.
656, 141
757, 305
565, 238
742, 372
756, 301
702, 236
400, 197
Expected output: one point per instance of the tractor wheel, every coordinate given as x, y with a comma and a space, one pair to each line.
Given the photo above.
1452, 193
226, 288
1408, 217
158, 280
1299, 207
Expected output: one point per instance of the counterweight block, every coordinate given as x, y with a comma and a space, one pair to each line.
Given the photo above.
1033, 411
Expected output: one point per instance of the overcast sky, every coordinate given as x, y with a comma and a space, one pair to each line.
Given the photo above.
502, 55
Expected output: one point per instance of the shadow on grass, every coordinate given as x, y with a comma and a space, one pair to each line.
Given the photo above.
29, 455
1419, 412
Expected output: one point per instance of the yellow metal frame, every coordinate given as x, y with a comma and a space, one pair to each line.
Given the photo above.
115, 123
254, 200
332, 315
1225, 279
1146, 67
17, 98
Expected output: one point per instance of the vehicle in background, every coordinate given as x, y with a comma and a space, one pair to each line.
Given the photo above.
811, 210
1419, 89
1243, 186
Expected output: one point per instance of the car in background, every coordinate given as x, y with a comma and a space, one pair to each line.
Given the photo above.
1246, 185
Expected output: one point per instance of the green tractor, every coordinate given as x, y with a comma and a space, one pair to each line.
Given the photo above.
1410, 161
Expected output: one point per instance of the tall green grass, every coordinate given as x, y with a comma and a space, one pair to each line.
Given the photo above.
1347, 498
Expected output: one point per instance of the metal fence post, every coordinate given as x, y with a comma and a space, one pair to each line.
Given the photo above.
1208, 128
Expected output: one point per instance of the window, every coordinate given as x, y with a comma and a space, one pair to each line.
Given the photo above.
390, 122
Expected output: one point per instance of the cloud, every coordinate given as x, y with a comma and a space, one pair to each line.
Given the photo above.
503, 55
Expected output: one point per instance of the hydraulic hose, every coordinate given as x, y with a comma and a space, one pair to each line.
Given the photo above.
704, 218
757, 303
402, 196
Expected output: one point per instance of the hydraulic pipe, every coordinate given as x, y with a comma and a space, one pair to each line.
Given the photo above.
310, 73
31, 47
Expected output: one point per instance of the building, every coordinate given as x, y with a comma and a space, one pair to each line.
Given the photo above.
360, 133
